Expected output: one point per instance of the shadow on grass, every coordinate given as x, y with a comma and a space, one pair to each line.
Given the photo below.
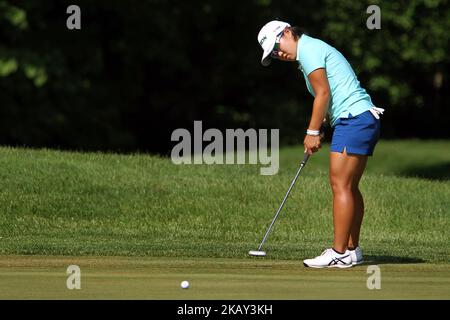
439, 171
391, 260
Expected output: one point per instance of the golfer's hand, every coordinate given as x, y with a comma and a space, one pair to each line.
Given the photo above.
312, 144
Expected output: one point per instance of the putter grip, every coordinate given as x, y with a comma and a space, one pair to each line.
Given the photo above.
305, 158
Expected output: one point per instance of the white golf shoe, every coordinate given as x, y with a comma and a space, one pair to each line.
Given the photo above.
330, 259
357, 257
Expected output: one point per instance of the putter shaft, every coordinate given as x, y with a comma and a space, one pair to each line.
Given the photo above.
302, 164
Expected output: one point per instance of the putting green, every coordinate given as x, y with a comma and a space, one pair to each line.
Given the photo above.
45, 277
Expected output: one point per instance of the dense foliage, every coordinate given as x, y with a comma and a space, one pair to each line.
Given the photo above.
138, 69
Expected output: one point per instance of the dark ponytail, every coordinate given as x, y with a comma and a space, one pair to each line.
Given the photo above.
297, 32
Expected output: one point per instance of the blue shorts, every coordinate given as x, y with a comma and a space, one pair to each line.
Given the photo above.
357, 134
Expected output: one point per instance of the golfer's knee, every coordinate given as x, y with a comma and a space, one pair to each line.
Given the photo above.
339, 186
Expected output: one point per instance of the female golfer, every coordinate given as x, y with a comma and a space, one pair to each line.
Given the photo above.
336, 90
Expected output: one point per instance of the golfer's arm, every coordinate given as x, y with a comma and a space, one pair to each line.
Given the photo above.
319, 82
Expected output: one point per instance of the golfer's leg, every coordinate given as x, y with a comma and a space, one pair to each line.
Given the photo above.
345, 172
353, 240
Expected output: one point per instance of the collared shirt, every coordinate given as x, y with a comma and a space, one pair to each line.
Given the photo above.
348, 98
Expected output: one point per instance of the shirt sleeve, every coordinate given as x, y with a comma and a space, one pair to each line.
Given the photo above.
312, 57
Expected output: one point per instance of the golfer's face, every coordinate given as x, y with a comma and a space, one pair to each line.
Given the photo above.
286, 47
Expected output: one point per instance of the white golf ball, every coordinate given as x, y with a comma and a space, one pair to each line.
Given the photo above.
185, 284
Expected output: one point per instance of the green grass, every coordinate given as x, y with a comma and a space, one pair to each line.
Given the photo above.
138, 225
43, 277
61, 203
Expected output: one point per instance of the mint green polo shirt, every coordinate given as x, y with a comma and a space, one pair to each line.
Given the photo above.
347, 95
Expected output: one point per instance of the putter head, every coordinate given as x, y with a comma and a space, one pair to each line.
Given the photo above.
257, 253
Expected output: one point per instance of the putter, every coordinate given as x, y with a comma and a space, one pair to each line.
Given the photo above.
259, 252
